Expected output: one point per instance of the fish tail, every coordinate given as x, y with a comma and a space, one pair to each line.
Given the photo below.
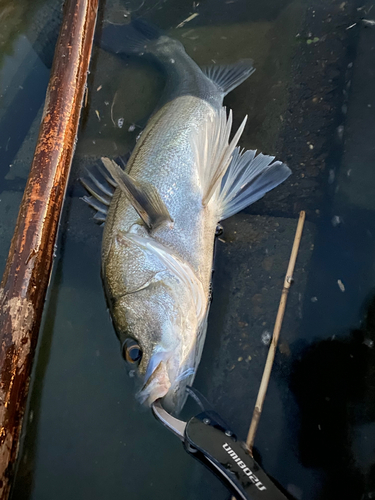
183, 75
135, 38
147, 30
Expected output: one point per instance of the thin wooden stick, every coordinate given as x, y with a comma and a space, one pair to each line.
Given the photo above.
275, 338
27, 271
276, 333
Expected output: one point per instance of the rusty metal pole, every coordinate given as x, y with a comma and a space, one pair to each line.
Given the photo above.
28, 268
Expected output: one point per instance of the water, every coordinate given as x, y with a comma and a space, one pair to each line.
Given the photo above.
311, 102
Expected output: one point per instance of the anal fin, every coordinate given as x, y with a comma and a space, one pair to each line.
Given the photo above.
143, 196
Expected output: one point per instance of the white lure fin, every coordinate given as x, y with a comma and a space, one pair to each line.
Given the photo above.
247, 179
176, 266
143, 196
213, 151
228, 76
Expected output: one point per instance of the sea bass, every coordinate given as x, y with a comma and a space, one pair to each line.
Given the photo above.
184, 176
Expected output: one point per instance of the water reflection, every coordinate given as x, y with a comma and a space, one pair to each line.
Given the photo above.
333, 381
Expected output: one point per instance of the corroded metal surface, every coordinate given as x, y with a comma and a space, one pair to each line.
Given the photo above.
27, 272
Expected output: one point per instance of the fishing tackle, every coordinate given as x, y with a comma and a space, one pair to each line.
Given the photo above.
207, 438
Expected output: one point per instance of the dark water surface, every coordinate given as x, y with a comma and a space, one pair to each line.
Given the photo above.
312, 103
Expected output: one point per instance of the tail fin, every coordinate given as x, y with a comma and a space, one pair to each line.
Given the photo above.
137, 37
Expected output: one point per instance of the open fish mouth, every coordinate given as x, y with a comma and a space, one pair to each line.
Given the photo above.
175, 398
156, 385
161, 383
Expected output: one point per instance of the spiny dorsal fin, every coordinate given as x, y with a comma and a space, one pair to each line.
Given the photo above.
228, 76
143, 196
213, 151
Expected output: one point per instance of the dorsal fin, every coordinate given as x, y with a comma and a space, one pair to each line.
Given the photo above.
229, 76
230, 178
213, 150
248, 178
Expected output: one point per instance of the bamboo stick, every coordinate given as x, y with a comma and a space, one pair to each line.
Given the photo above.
276, 334
27, 272
288, 280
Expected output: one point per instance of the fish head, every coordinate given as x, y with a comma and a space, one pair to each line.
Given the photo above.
159, 343
158, 318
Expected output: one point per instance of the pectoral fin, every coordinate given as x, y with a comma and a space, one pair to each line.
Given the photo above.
143, 196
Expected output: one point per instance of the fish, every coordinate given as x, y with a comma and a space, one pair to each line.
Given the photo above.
161, 211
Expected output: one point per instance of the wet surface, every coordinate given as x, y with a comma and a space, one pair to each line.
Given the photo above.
311, 102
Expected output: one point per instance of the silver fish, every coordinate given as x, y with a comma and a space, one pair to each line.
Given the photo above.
183, 177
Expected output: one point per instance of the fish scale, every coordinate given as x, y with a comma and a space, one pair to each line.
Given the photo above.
164, 157
157, 273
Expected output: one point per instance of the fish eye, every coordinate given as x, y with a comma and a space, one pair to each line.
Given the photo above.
131, 351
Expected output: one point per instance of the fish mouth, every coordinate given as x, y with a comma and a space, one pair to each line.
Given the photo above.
156, 385
166, 381
174, 400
